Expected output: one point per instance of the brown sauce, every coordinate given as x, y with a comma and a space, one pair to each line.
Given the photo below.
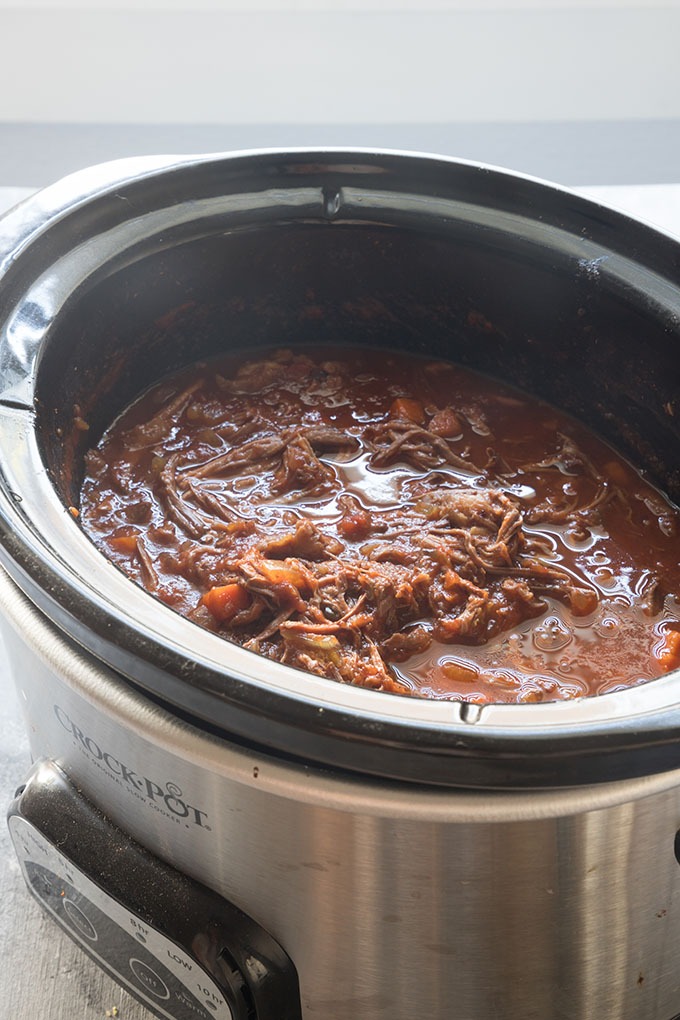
393, 522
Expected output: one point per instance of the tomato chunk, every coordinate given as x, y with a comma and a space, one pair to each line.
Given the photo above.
355, 524
445, 423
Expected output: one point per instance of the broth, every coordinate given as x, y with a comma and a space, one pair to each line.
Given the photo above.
382, 519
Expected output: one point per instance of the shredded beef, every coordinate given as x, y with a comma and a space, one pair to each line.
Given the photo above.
374, 520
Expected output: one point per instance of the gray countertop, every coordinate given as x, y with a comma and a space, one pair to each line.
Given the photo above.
44, 976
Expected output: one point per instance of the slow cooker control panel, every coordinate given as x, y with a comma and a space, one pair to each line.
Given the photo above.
179, 948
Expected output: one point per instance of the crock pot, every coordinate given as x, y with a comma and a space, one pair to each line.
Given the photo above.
331, 851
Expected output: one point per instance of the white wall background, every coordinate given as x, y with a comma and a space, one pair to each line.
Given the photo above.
388, 6
337, 61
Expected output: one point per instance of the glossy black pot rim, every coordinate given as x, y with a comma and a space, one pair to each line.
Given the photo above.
65, 234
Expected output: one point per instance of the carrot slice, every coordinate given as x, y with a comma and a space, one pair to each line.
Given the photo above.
225, 601
404, 407
669, 653
125, 543
283, 572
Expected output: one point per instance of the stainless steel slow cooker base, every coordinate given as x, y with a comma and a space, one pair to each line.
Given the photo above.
409, 857
391, 900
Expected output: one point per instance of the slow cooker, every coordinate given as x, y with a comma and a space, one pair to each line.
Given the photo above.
233, 838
